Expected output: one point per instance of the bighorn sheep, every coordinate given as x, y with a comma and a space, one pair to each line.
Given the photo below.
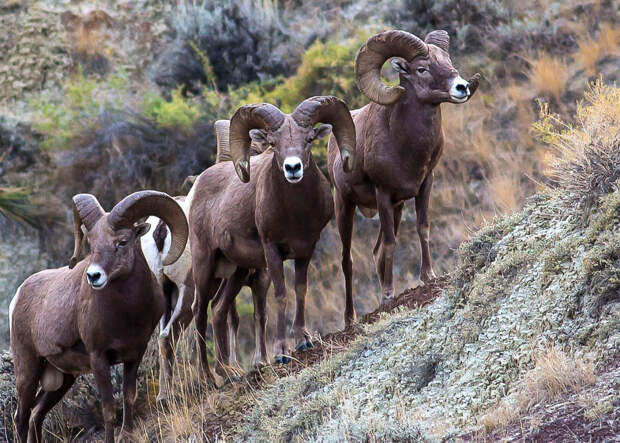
399, 142
95, 313
278, 215
177, 285
176, 279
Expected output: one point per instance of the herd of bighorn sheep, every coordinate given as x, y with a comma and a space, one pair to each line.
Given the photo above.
263, 202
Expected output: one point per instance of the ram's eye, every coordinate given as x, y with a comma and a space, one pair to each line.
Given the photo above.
122, 243
422, 70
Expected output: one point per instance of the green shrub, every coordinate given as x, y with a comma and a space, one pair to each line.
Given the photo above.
177, 112
76, 112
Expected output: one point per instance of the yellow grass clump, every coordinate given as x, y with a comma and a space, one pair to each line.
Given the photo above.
556, 373
548, 75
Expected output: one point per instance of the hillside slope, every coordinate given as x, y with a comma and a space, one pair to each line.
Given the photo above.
531, 312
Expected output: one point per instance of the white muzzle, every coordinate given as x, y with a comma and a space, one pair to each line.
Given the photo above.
96, 276
459, 91
293, 169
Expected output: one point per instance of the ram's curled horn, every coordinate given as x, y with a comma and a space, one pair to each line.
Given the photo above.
331, 110
246, 118
439, 38
374, 53
222, 130
474, 81
86, 211
78, 239
145, 203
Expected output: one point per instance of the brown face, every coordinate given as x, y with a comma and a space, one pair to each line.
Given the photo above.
432, 79
291, 146
112, 252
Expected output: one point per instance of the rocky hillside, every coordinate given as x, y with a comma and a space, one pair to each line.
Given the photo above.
522, 337
526, 330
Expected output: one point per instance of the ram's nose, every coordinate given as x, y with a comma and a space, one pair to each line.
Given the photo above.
459, 91
96, 276
293, 169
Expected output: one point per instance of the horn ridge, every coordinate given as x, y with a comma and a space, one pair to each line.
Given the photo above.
248, 117
332, 110
374, 53
145, 203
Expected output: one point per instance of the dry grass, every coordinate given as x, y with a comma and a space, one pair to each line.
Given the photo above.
548, 75
556, 373
88, 33
189, 404
590, 51
585, 155
609, 38
588, 54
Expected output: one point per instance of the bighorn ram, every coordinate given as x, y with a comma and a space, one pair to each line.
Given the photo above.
176, 280
95, 313
177, 285
399, 142
277, 215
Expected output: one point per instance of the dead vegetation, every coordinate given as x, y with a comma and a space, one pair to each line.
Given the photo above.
556, 373
218, 412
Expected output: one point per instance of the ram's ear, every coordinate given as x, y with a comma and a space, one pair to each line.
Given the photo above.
141, 229
259, 136
322, 130
400, 65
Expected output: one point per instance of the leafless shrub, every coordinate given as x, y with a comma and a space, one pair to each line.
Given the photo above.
586, 162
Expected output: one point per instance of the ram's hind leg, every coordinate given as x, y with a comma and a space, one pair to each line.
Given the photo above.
233, 332
28, 372
203, 268
385, 261
424, 226
221, 332
378, 251
166, 349
44, 403
345, 210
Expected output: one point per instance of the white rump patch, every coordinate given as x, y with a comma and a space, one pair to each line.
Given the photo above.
12, 306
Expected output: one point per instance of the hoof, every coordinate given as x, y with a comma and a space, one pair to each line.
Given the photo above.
304, 346
230, 380
283, 359
259, 364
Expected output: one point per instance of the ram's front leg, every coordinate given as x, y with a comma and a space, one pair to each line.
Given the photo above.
260, 285
276, 273
101, 370
303, 339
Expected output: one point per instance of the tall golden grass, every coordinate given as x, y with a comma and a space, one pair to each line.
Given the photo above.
548, 75
556, 372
